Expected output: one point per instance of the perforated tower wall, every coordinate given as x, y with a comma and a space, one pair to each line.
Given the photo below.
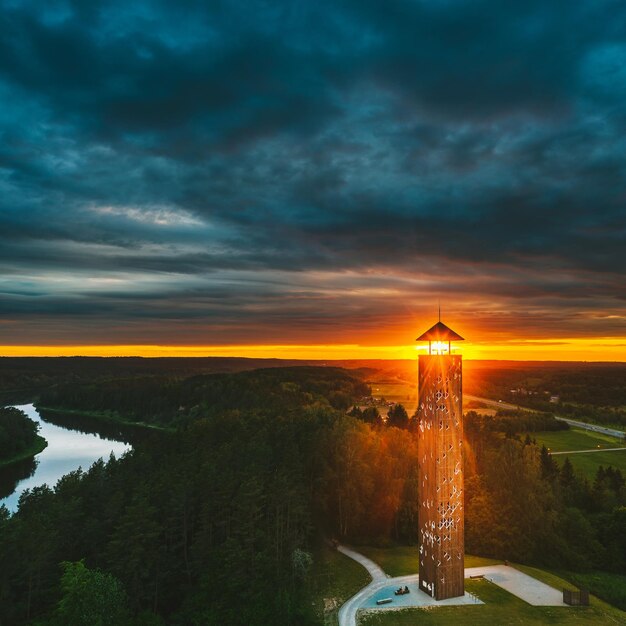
440, 451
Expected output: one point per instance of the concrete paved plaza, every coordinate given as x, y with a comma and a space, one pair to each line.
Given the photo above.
415, 598
519, 584
510, 579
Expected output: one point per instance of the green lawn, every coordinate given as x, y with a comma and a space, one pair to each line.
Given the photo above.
575, 439
334, 579
402, 560
500, 609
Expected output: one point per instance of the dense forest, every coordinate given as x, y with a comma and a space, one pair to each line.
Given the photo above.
18, 434
521, 506
174, 401
587, 391
23, 377
216, 520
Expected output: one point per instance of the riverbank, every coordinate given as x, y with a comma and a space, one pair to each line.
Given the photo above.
105, 417
39, 445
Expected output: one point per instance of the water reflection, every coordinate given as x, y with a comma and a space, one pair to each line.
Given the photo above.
11, 475
127, 433
73, 442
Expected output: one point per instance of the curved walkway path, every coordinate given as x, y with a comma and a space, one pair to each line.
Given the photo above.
380, 580
512, 580
375, 571
347, 612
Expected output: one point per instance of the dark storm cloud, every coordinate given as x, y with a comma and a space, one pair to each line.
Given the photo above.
267, 164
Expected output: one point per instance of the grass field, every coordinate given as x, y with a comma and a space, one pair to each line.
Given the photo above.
402, 560
575, 439
500, 609
395, 391
334, 579
406, 394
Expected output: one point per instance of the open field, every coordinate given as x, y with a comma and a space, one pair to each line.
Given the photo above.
575, 439
405, 393
395, 391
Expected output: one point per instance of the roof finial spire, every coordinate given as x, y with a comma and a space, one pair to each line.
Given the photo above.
439, 301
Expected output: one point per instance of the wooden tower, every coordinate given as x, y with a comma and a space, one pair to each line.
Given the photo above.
440, 441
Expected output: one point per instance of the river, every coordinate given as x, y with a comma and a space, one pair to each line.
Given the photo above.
73, 442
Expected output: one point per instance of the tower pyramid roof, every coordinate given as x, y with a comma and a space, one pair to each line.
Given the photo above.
440, 332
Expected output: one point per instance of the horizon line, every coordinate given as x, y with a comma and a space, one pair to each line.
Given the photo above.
597, 350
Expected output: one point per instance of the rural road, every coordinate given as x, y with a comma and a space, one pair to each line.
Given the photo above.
585, 451
594, 427
496, 404
612, 432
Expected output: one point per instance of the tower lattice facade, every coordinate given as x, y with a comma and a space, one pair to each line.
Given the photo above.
440, 441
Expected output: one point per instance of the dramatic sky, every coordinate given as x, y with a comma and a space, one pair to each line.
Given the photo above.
310, 178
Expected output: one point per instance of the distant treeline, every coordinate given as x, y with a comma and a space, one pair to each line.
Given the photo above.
512, 421
587, 391
30, 375
597, 384
607, 415
173, 401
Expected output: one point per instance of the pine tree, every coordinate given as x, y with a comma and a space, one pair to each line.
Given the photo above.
398, 417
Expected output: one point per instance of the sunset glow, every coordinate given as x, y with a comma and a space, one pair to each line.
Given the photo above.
569, 349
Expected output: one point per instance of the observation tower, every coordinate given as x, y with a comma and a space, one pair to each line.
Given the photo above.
440, 465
